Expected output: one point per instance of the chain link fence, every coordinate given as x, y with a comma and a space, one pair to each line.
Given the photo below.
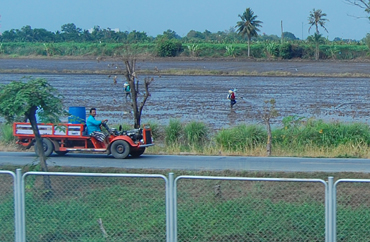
352, 210
7, 198
92, 207
237, 209
56, 206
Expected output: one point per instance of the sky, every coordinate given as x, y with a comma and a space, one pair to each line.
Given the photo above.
156, 16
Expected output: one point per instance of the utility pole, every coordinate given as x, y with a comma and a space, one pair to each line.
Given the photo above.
302, 30
282, 32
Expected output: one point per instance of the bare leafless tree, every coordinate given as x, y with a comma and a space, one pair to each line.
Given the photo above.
360, 3
128, 70
131, 77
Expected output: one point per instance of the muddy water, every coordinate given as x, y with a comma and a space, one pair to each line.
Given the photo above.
203, 98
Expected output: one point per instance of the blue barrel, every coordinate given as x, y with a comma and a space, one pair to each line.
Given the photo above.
77, 115
39, 110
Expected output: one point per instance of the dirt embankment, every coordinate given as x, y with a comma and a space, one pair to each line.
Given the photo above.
189, 66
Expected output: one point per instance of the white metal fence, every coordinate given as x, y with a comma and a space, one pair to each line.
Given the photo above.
61, 206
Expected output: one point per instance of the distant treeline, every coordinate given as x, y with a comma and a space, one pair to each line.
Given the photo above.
70, 32
73, 41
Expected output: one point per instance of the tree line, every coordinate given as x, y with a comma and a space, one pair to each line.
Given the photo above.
195, 43
71, 33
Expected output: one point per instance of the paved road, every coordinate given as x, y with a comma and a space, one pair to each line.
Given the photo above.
173, 162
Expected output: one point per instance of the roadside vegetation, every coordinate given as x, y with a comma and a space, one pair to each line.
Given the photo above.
295, 137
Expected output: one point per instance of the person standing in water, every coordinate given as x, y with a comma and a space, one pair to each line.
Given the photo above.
231, 97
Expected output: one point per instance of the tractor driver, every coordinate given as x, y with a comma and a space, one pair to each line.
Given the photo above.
93, 126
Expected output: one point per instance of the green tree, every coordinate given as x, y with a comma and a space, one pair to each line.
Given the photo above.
21, 99
317, 18
170, 34
194, 35
137, 37
317, 39
289, 36
70, 32
249, 25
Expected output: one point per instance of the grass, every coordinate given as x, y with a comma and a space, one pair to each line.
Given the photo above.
6, 134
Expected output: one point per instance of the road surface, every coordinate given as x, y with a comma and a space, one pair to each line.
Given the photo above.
174, 162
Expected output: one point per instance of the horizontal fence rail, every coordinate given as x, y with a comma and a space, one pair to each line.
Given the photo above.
249, 209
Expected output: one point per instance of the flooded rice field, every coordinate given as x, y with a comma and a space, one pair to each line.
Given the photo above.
203, 98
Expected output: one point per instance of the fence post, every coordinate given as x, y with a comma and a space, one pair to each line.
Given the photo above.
334, 212
18, 218
330, 226
170, 209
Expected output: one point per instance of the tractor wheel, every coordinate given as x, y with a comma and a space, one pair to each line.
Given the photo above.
48, 147
137, 152
61, 153
120, 149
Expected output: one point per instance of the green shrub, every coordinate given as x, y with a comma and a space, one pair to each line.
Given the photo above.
272, 49
173, 132
169, 48
241, 137
321, 134
257, 50
196, 133
297, 51
286, 51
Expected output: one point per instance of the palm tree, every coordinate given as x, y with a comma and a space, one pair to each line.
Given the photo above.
317, 39
248, 26
316, 18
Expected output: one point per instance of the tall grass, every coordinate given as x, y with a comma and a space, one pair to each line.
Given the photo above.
6, 134
296, 137
241, 137
191, 136
173, 131
196, 133
157, 131
320, 134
